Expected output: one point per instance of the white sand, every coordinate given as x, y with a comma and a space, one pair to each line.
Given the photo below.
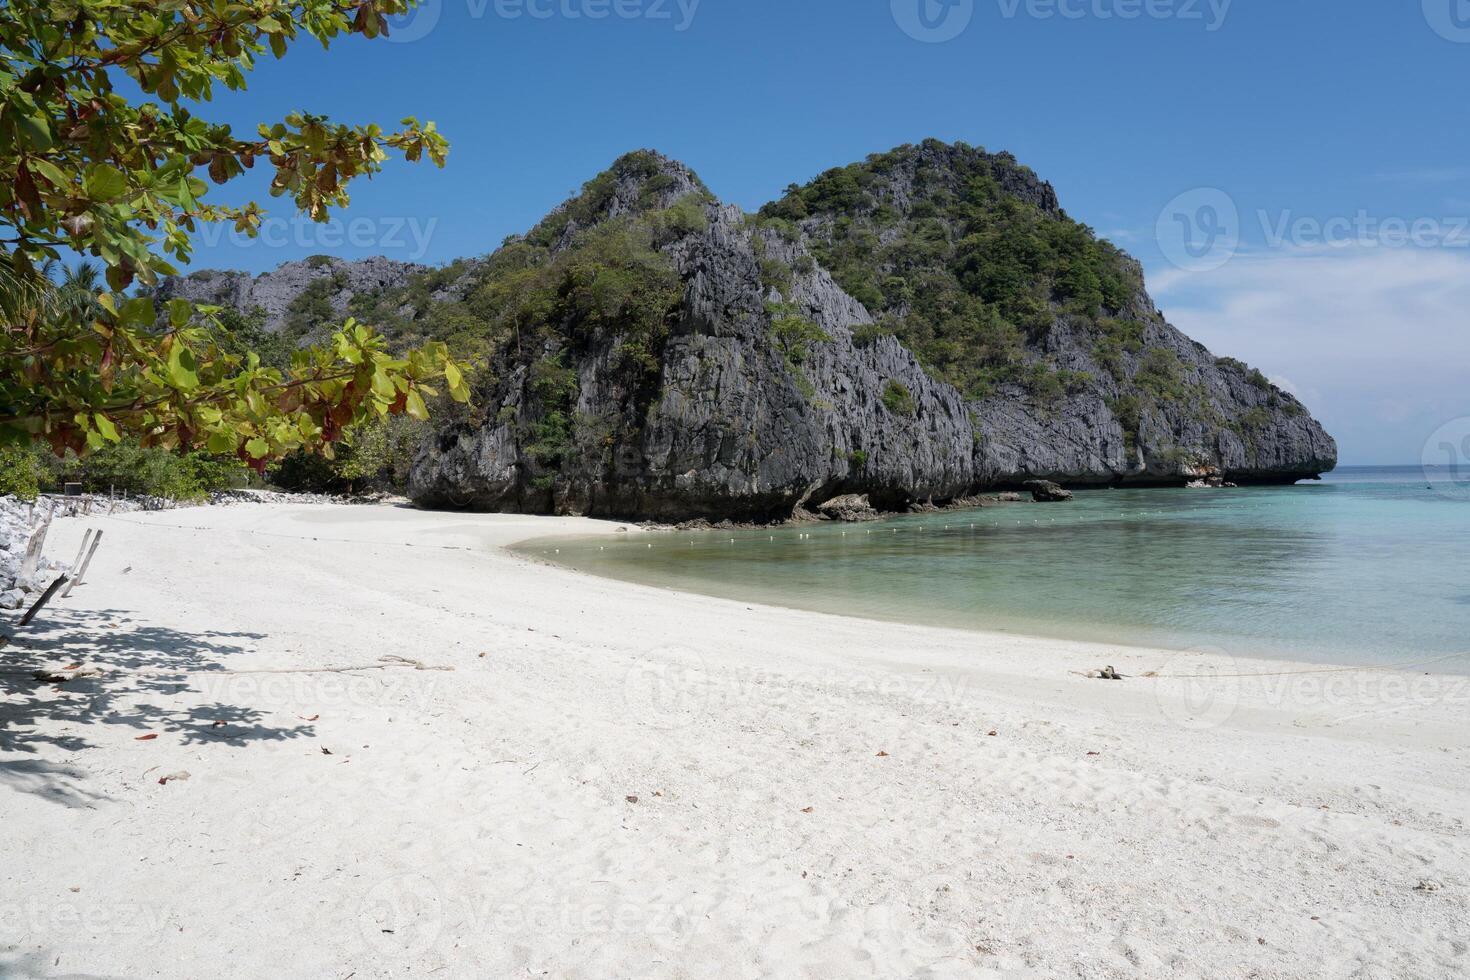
1272, 828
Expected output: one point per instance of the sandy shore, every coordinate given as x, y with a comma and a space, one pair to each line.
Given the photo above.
611, 780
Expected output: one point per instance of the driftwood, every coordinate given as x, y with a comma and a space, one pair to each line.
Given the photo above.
41, 602
33, 550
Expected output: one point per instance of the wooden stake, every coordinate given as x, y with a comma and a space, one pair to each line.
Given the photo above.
76, 562
45, 598
85, 563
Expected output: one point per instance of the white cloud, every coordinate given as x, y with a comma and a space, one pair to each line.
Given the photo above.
1376, 340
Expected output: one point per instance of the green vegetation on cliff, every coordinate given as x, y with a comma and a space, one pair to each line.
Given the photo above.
963, 255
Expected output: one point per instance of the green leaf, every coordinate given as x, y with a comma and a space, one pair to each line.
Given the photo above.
258, 448
221, 443
416, 407
453, 375
182, 369
50, 171
104, 182
383, 384
105, 426
138, 312
179, 311
36, 129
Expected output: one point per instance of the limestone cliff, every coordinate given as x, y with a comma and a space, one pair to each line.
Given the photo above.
918, 327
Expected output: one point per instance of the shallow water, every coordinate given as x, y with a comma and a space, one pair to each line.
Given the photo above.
1368, 566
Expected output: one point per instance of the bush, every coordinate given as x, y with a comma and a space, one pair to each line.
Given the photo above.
898, 399
307, 473
776, 275
129, 468
1162, 374
20, 473
794, 333
377, 456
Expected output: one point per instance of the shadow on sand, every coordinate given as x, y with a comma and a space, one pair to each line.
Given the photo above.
146, 669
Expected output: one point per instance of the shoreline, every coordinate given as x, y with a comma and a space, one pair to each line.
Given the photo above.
1210, 647
1270, 666
616, 778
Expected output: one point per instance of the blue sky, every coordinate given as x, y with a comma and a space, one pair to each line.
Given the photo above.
1324, 143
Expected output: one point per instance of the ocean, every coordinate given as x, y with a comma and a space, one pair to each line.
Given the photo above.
1369, 566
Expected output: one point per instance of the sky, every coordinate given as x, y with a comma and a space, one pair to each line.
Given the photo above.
1294, 174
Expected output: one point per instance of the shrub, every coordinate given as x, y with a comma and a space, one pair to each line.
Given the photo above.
1162, 374
898, 399
794, 333
776, 275
130, 468
1256, 418
685, 217
20, 473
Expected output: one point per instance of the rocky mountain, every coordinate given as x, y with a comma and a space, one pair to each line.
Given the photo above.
915, 328
284, 297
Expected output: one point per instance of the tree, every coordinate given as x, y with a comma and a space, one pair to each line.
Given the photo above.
85, 168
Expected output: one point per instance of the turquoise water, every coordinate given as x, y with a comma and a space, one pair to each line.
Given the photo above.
1369, 565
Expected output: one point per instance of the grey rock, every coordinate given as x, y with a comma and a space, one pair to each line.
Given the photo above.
1047, 492
850, 507
12, 599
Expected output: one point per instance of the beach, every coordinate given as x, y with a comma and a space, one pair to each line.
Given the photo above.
333, 741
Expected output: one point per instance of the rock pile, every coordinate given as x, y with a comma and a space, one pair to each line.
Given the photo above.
19, 523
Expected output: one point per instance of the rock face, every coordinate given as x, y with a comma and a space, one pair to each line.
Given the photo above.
762, 386
273, 293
